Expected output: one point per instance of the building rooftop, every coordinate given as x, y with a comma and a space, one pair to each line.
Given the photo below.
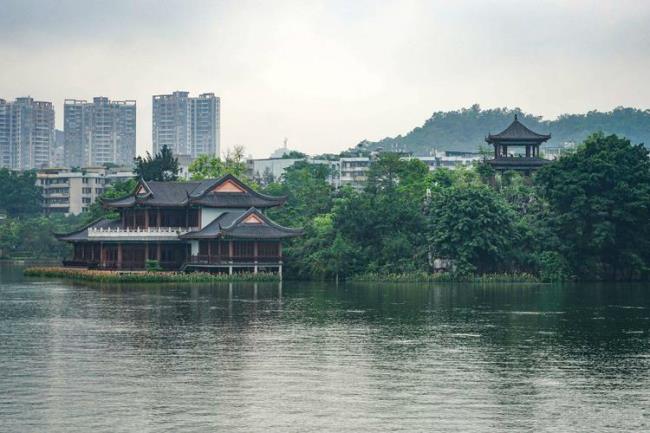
517, 132
250, 224
226, 192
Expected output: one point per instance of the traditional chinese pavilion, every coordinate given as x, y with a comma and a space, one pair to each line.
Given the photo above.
214, 225
517, 135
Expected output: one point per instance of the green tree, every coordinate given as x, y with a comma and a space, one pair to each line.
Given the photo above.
473, 226
34, 236
600, 197
324, 253
161, 167
307, 190
294, 154
19, 195
385, 221
211, 167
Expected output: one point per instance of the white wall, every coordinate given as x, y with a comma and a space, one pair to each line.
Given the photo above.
208, 214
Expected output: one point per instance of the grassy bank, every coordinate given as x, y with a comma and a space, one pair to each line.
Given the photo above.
423, 277
144, 277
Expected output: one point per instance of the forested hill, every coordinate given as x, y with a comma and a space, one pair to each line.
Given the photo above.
466, 129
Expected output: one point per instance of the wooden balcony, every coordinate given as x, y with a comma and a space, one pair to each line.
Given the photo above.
202, 259
138, 234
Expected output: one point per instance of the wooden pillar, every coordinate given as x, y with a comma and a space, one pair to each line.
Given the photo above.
209, 249
146, 252
158, 251
505, 151
119, 255
255, 251
230, 250
146, 218
101, 255
134, 214
496, 151
528, 151
158, 218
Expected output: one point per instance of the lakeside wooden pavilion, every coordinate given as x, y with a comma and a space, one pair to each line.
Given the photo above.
517, 135
215, 225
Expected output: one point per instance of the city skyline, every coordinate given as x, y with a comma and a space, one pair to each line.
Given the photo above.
330, 74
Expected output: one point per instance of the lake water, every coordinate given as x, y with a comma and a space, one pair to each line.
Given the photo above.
301, 357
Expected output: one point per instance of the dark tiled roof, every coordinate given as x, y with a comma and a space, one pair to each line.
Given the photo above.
82, 233
213, 229
238, 200
232, 225
517, 132
170, 194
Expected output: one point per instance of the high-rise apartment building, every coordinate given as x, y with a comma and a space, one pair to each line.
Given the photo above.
188, 126
5, 143
26, 133
99, 132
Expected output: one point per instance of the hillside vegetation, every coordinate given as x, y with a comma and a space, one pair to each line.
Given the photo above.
465, 129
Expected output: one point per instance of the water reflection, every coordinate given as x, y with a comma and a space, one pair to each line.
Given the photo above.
321, 357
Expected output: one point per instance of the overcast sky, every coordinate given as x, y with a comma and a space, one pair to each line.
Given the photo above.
328, 74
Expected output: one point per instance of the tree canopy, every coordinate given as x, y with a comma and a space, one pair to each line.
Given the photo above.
213, 167
19, 195
601, 201
163, 166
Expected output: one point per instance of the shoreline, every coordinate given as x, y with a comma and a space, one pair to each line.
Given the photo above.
80, 274
144, 276
445, 277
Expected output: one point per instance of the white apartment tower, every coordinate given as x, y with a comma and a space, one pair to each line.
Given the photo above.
26, 133
187, 125
99, 132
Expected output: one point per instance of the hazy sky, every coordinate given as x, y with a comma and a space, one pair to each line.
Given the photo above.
327, 74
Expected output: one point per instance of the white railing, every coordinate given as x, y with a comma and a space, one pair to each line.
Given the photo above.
117, 232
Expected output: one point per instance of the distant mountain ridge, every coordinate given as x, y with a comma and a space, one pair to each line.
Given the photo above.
466, 129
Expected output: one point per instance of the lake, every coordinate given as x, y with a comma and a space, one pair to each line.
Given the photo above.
314, 357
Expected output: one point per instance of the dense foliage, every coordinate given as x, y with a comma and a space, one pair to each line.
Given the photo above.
213, 167
601, 202
465, 129
586, 216
163, 166
19, 195
31, 234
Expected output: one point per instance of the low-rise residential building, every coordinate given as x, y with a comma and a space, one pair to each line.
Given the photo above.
72, 192
353, 171
267, 170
